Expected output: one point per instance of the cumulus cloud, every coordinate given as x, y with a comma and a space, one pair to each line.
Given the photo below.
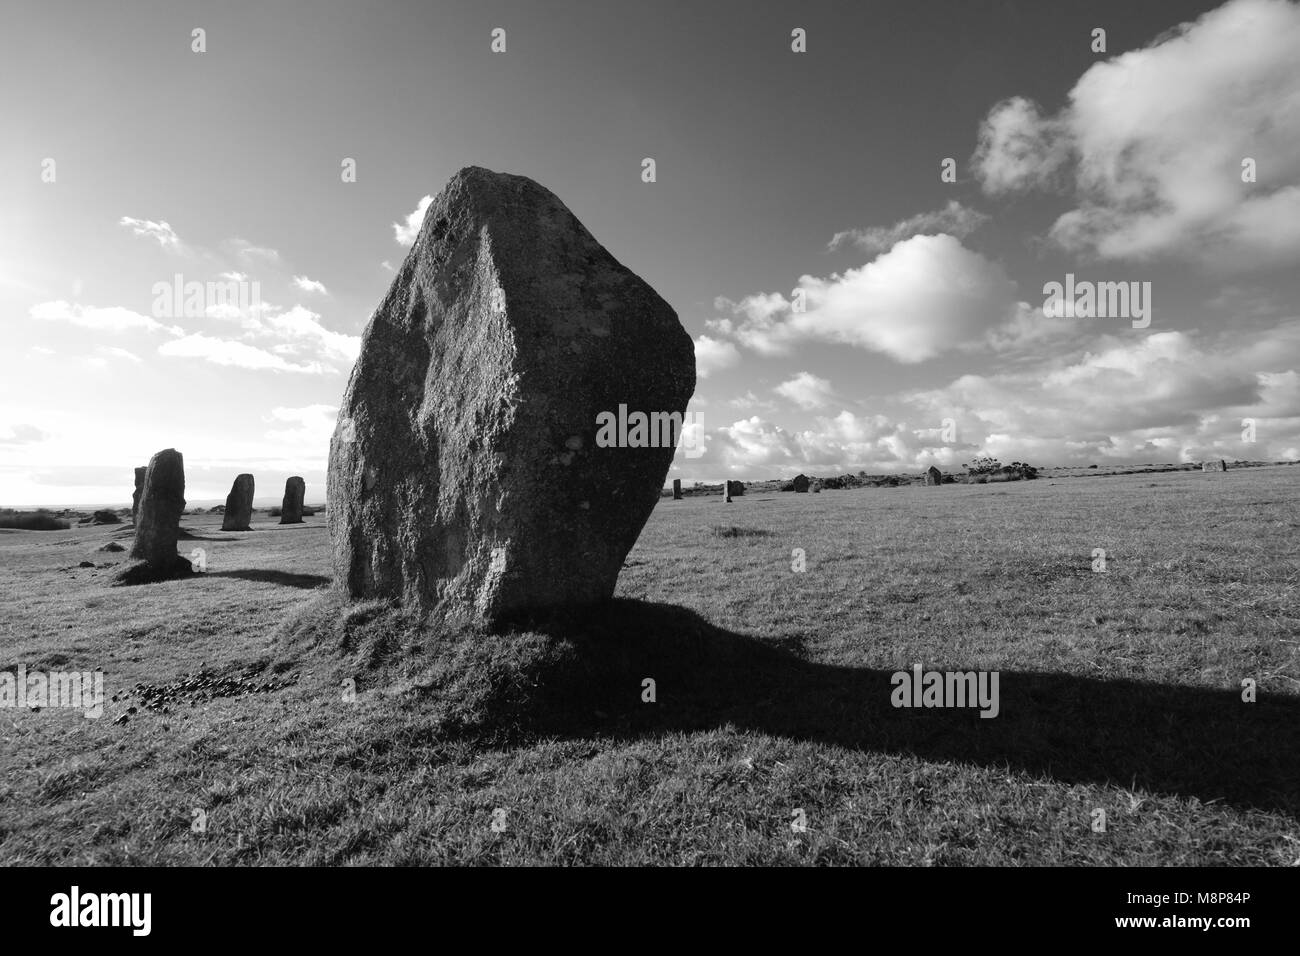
311, 425
303, 324
927, 295
1156, 138
310, 285
713, 354
1018, 148
405, 232
806, 390
1130, 398
953, 219
237, 354
109, 319
21, 434
160, 232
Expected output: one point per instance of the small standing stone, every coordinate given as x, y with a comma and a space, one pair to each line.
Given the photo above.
162, 502
239, 505
1217, 464
801, 484
677, 489
291, 509
933, 476
735, 489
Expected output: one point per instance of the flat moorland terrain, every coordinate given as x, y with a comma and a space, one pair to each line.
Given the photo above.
1120, 692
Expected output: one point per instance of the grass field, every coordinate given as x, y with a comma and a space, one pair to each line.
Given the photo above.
1120, 692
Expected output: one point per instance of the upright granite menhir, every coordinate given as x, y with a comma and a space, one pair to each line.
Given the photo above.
291, 506
239, 505
468, 480
157, 528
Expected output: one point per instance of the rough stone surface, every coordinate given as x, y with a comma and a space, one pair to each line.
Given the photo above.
801, 483
291, 507
933, 476
1216, 465
735, 489
464, 474
162, 501
677, 489
239, 505
139, 488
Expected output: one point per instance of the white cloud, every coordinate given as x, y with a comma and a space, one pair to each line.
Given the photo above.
953, 219
387, 266
160, 232
311, 425
1157, 137
21, 434
405, 232
252, 254
235, 276
301, 323
1019, 149
927, 295
238, 354
713, 354
309, 285
110, 319
114, 352
806, 390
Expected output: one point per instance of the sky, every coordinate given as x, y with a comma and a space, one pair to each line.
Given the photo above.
853, 307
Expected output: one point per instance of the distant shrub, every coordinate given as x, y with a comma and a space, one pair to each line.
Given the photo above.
983, 470
105, 517
274, 512
39, 520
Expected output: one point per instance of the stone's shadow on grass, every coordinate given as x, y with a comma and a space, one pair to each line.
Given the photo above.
186, 535
135, 572
581, 677
271, 576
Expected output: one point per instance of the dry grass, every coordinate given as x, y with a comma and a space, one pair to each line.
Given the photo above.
1120, 691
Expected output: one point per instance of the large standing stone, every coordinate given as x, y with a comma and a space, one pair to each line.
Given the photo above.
465, 474
139, 488
677, 489
801, 483
735, 489
239, 505
933, 476
162, 502
1217, 464
291, 507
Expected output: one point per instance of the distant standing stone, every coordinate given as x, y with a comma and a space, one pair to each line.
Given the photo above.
735, 489
291, 509
933, 476
162, 501
1216, 465
239, 505
677, 489
139, 487
801, 483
